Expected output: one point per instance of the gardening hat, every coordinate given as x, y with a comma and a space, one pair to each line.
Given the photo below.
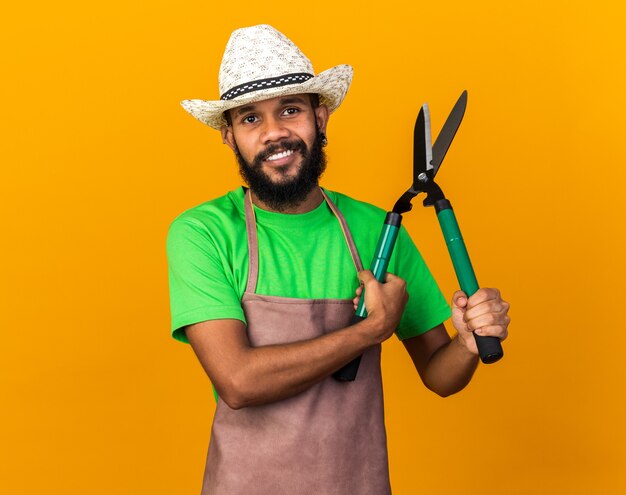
260, 63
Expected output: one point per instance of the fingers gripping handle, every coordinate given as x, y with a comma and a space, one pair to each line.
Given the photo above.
386, 243
489, 348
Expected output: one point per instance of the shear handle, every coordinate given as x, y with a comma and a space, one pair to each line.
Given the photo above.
489, 348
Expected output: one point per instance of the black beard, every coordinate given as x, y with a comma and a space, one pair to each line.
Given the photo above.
292, 191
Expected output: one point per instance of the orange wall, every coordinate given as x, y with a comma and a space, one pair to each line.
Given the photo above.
98, 158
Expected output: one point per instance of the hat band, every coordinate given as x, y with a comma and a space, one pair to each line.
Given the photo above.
270, 82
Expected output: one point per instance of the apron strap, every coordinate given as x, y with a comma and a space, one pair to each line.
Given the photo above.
253, 243
356, 259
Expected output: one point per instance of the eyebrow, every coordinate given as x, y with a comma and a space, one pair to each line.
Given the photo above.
244, 109
287, 100
292, 99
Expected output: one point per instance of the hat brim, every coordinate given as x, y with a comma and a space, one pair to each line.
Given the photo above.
332, 86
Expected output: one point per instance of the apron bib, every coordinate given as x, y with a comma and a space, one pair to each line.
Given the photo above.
329, 439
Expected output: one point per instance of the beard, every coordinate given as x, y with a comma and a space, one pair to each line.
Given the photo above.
288, 192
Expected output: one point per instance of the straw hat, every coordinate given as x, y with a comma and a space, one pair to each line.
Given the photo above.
261, 63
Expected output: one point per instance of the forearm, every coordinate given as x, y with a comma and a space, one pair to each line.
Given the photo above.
447, 366
246, 376
270, 373
450, 368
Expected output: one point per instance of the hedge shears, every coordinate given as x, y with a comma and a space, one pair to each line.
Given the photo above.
427, 159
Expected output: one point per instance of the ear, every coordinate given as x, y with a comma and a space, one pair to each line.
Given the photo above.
321, 116
227, 136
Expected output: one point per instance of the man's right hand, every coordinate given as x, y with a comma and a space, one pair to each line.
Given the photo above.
384, 303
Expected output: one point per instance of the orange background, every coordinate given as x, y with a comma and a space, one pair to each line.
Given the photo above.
98, 158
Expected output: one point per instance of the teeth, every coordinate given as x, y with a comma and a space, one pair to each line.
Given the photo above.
280, 155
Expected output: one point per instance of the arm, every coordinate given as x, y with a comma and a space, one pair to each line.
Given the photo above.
446, 366
246, 376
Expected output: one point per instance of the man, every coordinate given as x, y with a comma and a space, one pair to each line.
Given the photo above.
262, 284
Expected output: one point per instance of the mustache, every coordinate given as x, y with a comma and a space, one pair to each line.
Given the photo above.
293, 145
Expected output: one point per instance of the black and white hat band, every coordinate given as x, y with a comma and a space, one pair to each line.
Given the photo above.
271, 82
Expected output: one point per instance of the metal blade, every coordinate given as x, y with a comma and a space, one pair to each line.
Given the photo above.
443, 141
427, 133
422, 149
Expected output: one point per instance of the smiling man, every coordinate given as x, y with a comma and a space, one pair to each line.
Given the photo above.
281, 169
263, 283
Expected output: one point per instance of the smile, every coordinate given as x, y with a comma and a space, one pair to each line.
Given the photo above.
278, 156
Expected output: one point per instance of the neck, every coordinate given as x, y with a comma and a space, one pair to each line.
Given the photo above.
312, 201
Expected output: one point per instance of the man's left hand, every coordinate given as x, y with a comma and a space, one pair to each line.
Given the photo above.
485, 313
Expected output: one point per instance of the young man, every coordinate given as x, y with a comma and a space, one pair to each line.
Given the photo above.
262, 283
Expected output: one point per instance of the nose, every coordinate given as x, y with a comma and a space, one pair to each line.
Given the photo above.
273, 129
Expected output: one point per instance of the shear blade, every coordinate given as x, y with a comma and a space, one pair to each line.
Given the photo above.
422, 148
448, 131
427, 137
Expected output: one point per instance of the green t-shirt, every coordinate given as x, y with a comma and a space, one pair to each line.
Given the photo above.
300, 256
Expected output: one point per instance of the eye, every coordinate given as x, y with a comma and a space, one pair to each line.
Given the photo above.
291, 111
249, 119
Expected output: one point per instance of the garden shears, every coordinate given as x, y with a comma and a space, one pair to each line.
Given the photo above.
427, 159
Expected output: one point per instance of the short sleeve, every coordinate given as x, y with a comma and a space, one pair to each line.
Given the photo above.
427, 307
201, 287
